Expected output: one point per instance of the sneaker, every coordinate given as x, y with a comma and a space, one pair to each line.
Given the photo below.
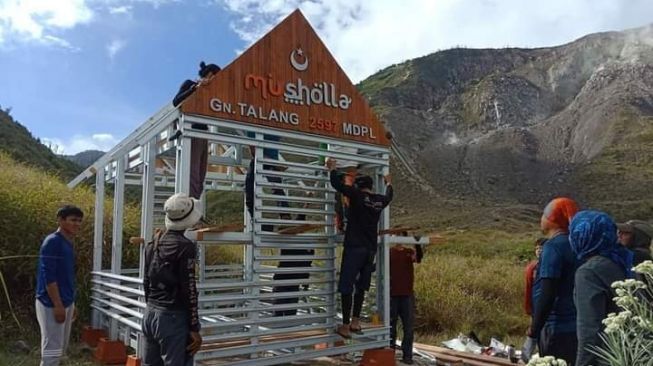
407, 361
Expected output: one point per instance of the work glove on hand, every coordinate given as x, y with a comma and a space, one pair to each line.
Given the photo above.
528, 349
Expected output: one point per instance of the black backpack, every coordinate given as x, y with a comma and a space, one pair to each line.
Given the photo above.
162, 272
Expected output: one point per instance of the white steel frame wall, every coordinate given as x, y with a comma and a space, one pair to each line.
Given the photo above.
235, 311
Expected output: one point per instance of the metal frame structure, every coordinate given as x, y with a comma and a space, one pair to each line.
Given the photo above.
240, 303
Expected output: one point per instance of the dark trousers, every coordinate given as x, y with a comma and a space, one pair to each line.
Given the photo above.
166, 337
285, 301
403, 307
289, 288
559, 345
199, 156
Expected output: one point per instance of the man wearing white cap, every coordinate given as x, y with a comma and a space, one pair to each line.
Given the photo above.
170, 323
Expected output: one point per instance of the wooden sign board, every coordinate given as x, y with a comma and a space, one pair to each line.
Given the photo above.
289, 80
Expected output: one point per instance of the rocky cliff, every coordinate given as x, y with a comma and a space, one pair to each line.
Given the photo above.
515, 127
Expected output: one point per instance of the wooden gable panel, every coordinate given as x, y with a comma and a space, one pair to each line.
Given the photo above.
289, 80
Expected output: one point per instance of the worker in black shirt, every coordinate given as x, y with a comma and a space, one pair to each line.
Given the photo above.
188, 86
170, 322
199, 148
360, 244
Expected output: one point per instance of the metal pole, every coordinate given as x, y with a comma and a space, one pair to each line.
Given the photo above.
118, 210
99, 220
148, 154
385, 224
182, 176
116, 236
201, 248
147, 205
98, 238
251, 265
330, 232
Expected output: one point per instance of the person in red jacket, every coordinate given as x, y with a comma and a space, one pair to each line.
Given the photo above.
530, 273
402, 299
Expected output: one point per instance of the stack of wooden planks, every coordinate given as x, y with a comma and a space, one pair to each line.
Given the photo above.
448, 357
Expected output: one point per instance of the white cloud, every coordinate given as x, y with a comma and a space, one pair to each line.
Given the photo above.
156, 3
124, 9
37, 20
56, 41
366, 36
79, 143
114, 47
104, 137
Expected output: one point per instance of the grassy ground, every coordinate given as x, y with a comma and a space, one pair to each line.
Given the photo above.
473, 282
28, 333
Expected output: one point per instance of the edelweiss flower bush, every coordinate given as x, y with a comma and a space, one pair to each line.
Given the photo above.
628, 338
546, 361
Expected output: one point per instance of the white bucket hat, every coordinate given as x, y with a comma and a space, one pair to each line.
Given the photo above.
182, 212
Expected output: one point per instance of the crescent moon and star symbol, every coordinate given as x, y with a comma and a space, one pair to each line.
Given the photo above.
296, 64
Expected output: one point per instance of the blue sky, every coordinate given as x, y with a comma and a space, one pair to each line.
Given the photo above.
85, 73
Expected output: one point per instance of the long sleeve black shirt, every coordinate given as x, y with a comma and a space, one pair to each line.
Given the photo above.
178, 250
364, 212
594, 301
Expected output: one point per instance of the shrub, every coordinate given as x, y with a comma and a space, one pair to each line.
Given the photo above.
463, 294
29, 199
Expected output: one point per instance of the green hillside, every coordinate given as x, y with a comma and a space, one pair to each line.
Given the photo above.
19, 143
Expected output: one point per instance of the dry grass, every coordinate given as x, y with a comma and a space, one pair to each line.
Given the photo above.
474, 282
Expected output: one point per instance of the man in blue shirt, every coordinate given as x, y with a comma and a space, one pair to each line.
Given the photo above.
55, 286
553, 325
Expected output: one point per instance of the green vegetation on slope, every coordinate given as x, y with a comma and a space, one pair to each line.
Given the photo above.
85, 158
389, 77
619, 179
19, 143
473, 282
29, 200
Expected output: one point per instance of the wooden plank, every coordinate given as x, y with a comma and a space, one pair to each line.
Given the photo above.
469, 358
436, 238
219, 229
136, 240
443, 359
299, 229
265, 339
398, 230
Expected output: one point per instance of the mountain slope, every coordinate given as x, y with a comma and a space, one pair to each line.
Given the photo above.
19, 143
85, 158
494, 127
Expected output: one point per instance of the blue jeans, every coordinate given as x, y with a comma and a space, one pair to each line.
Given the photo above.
166, 337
